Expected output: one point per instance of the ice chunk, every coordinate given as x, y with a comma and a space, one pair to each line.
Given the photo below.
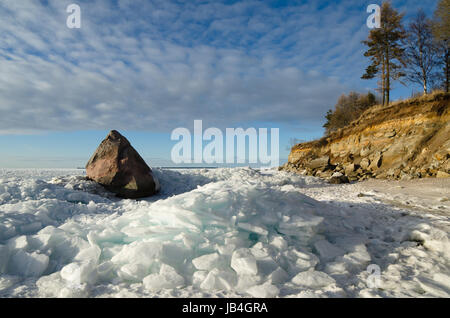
353, 262
278, 276
209, 282
90, 254
219, 280
206, 262
7, 231
278, 242
360, 256
51, 285
4, 257
247, 281
313, 279
236, 241
39, 241
252, 228
173, 254
79, 273
300, 225
327, 251
266, 290
337, 267
243, 262
259, 250
297, 261
29, 265
226, 249
138, 252
105, 271
63, 246
92, 207
199, 277
189, 240
166, 279
54, 286
18, 242
266, 265
30, 227
134, 272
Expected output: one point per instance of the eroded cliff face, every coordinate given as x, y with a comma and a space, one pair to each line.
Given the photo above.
408, 139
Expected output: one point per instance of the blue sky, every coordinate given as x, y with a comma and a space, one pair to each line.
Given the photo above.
148, 67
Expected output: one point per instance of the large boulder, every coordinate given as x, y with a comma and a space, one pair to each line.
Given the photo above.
119, 168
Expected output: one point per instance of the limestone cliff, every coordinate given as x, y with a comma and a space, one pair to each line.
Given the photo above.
407, 139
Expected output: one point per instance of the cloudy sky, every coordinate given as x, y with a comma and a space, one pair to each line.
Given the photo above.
148, 67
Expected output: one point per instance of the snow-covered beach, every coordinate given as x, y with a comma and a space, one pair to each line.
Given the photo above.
223, 233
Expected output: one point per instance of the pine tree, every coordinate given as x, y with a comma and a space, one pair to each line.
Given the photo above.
385, 50
327, 124
441, 32
421, 53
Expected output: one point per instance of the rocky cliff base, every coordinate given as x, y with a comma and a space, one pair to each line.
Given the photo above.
405, 140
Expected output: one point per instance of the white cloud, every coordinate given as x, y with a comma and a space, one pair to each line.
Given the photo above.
157, 65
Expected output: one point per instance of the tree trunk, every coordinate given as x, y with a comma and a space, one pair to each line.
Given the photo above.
383, 83
388, 76
447, 69
422, 68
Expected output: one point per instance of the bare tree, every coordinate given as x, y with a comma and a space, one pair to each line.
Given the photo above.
441, 32
421, 52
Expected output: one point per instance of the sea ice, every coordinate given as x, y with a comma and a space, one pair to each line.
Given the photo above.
313, 279
214, 232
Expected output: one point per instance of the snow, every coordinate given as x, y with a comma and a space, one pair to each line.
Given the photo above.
222, 233
266, 290
313, 279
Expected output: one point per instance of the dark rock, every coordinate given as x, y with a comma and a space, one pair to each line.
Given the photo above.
119, 168
339, 180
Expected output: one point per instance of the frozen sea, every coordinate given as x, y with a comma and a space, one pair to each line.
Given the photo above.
229, 232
